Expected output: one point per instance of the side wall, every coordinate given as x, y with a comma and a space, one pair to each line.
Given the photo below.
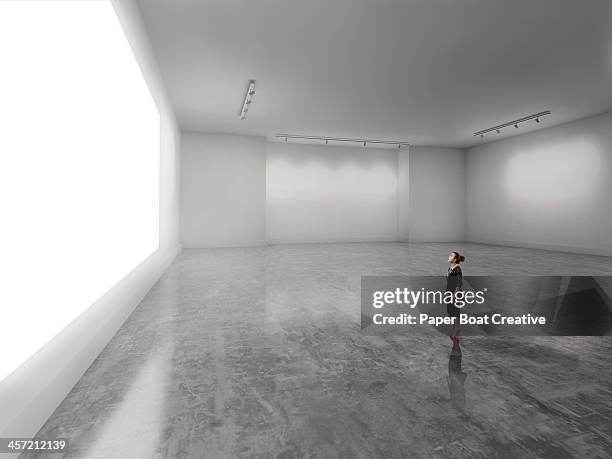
223, 183
31, 393
436, 194
548, 189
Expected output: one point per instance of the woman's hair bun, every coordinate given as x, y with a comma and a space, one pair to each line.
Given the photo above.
458, 256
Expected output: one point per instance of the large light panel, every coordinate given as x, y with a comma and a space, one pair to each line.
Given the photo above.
79, 167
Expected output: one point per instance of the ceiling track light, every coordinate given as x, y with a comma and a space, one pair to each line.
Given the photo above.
248, 99
515, 123
364, 142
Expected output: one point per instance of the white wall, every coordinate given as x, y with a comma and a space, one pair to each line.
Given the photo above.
223, 183
30, 394
403, 194
330, 193
243, 191
547, 189
436, 194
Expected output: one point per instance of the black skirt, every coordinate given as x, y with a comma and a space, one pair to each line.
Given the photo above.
452, 310
454, 281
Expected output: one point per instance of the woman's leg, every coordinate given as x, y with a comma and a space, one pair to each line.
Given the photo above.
456, 326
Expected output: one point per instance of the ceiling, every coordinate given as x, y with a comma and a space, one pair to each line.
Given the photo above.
430, 72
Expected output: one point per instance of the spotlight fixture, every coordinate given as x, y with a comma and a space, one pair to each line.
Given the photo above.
498, 128
363, 142
248, 98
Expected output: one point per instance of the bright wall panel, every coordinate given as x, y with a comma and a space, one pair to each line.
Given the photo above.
79, 167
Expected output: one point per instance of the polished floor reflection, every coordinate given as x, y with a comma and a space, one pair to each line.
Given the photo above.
258, 352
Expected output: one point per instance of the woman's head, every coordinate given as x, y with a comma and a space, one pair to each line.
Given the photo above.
455, 257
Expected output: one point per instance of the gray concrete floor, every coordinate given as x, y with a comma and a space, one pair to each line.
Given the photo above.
258, 352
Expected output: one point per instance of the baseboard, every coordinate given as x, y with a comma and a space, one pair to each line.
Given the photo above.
287, 241
32, 392
602, 251
224, 244
350, 240
434, 240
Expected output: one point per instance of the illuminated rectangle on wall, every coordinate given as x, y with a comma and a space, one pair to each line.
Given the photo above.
79, 167
330, 193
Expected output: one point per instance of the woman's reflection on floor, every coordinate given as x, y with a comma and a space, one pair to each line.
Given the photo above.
456, 378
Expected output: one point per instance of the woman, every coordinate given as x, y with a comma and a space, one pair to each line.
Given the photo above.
454, 281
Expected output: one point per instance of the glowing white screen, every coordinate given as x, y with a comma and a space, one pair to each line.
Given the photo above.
79, 167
